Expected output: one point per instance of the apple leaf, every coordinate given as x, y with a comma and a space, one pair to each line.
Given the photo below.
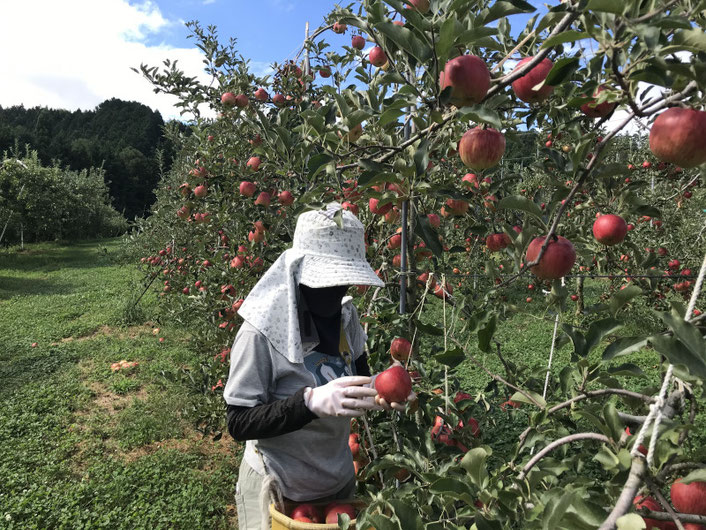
485, 333
606, 6
480, 114
699, 475
379, 522
563, 37
503, 9
687, 333
356, 117
598, 330
678, 353
474, 464
622, 297
407, 515
316, 162
624, 346
691, 39
518, 202
562, 70
556, 508
405, 40
522, 398
421, 157
430, 237
451, 358
577, 338
453, 488
447, 34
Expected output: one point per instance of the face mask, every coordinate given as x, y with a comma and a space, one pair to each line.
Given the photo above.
323, 301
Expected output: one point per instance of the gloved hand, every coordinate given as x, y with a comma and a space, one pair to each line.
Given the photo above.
342, 397
400, 407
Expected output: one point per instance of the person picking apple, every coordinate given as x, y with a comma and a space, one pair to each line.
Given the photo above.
299, 372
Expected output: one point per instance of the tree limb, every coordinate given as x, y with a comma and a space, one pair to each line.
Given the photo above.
558, 443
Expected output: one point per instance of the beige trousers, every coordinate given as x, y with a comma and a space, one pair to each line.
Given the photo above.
247, 497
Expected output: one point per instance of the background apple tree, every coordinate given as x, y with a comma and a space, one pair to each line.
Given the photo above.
377, 124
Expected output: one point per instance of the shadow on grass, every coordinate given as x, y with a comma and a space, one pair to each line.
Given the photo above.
11, 287
35, 366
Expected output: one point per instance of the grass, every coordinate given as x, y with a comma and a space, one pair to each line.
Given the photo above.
82, 446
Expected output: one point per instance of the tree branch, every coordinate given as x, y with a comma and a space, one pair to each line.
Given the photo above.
558, 443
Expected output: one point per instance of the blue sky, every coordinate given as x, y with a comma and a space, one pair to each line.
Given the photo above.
80, 52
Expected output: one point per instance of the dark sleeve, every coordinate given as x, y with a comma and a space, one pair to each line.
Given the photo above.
273, 419
361, 365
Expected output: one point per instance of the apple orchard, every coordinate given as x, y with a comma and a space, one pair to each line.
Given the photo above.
488, 157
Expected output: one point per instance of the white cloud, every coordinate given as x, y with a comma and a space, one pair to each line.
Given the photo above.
77, 53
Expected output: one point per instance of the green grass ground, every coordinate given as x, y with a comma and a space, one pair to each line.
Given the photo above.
82, 446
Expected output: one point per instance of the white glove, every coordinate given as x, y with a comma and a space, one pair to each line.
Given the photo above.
342, 397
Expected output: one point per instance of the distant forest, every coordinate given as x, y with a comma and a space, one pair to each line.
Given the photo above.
122, 137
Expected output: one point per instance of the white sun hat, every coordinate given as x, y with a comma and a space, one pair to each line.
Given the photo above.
323, 254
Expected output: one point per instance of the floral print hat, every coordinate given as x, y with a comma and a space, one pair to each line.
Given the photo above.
323, 254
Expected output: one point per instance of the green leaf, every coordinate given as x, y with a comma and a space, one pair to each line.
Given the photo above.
562, 70
698, 475
577, 338
598, 330
405, 40
564, 36
678, 353
610, 414
389, 116
424, 230
607, 6
622, 297
691, 39
485, 334
452, 487
624, 346
382, 522
316, 162
356, 117
607, 458
687, 333
447, 34
451, 358
474, 464
555, 509
517, 202
421, 157
481, 114
520, 397
503, 9
407, 514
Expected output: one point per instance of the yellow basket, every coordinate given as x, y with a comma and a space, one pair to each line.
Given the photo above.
281, 521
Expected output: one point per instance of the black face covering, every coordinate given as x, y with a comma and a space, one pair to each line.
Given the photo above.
323, 301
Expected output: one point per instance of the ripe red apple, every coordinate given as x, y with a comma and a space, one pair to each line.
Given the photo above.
377, 57
254, 163
395, 242
400, 349
592, 110
279, 100
332, 510
689, 498
373, 204
339, 27
468, 77
241, 100
394, 384
654, 506
247, 189
434, 220
557, 260
457, 206
481, 148
263, 199
351, 207
420, 5
228, 99
524, 86
496, 242
261, 94
470, 180
285, 198
358, 42
325, 72
679, 136
307, 510
200, 191
610, 229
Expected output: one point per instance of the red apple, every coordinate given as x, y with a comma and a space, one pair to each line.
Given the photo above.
457, 206
395, 242
241, 100
610, 229
200, 191
434, 220
420, 5
279, 100
394, 384
557, 260
524, 86
358, 42
254, 163
263, 199
679, 136
247, 189
339, 27
332, 510
228, 99
379, 210
351, 207
285, 198
689, 498
261, 94
400, 349
307, 510
377, 57
470, 180
468, 77
592, 110
481, 148
325, 72
652, 505
496, 242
